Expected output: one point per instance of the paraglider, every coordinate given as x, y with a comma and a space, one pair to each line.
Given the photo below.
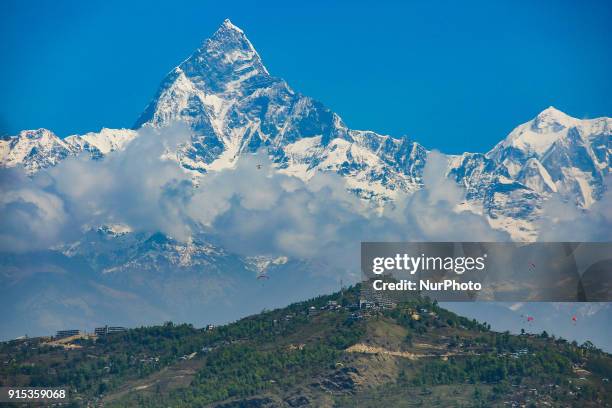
574, 319
262, 276
258, 167
528, 319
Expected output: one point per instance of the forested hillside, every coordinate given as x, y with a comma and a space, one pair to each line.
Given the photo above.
323, 352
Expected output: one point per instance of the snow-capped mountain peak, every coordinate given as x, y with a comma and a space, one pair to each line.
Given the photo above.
34, 149
234, 106
38, 149
206, 91
228, 49
228, 25
552, 119
533, 138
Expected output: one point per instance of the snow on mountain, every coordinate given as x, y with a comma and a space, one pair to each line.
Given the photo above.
536, 136
102, 143
535, 176
234, 106
40, 149
34, 150
116, 248
553, 153
261, 263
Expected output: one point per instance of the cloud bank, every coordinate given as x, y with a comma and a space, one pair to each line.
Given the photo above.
251, 209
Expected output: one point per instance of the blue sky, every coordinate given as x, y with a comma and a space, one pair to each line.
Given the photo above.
453, 75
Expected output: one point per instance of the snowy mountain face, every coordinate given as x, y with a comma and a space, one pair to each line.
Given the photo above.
234, 106
553, 153
40, 149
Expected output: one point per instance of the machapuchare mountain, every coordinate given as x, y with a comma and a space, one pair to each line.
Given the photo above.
234, 106
118, 276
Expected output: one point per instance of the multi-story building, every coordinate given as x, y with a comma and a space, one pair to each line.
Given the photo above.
106, 330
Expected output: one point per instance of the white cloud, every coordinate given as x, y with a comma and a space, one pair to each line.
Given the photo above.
248, 210
31, 218
563, 221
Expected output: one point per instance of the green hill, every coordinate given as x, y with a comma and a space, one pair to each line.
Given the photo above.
322, 352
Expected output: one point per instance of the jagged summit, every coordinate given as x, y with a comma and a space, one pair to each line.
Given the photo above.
227, 50
551, 119
229, 44
228, 25
224, 65
537, 135
552, 111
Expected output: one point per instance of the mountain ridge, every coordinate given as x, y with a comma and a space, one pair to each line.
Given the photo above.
234, 106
